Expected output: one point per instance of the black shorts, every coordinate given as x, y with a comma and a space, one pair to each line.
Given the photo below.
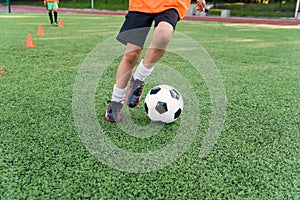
137, 25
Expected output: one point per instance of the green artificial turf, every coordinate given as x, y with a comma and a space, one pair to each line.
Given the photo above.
42, 152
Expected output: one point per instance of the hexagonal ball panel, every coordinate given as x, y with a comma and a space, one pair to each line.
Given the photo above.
161, 107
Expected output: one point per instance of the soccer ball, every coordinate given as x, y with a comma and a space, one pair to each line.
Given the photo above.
163, 103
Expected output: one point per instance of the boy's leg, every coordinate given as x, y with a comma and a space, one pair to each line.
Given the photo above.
50, 16
55, 8
55, 15
161, 38
130, 58
165, 24
132, 33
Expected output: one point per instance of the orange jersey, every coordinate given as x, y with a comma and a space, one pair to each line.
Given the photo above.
51, 1
156, 6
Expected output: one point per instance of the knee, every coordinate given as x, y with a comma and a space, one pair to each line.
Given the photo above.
161, 40
164, 32
164, 36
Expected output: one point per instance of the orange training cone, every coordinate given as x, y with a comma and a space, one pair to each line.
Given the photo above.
61, 24
1, 71
29, 42
41, 30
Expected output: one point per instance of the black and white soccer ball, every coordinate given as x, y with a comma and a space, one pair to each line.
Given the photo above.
163, 103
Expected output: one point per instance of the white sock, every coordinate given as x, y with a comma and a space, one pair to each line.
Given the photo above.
118, 94
142, 72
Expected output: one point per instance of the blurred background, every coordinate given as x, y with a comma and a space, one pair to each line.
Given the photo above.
239, 8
